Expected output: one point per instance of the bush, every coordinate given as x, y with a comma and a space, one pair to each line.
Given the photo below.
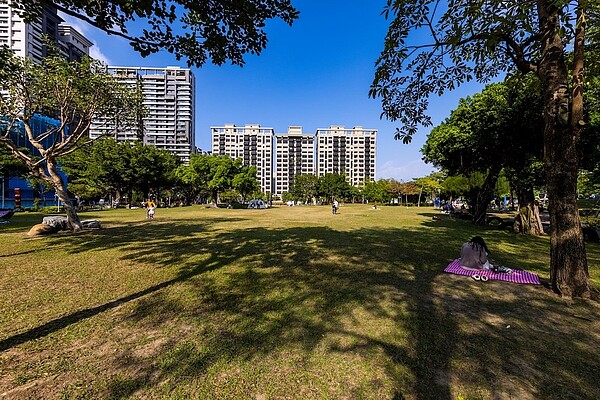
591, 222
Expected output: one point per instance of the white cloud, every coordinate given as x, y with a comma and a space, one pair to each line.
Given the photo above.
405, 172
97, 54
80, 26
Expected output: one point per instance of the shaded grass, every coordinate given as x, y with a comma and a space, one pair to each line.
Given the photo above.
284, 303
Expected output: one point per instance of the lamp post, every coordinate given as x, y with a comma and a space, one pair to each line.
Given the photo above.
2, 191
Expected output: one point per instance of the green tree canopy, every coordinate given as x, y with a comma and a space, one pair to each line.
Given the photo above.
378, 191
153, 169
215, 174
193, 30
245, 181
501, 127
333, 186
305, 187
73, 92
100, 168
119, 168
479, 41
9, 165
430, 185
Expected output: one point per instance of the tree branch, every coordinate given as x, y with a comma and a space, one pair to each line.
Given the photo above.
522, 64
109, 31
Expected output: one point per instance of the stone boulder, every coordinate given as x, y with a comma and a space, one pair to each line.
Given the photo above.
57, 221
91, 224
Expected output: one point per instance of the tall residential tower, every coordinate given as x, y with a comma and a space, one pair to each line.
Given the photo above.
252, 143
349, 151
295, 155
169, 98
27, 39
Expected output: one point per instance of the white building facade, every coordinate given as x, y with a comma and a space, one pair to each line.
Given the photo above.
26, 39
349, 151
252, 143
169, 99
294, 155
72, 44
339, 150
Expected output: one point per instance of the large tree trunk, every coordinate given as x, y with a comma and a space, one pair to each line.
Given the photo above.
528, 219
117, 199
568, 263
61, 192
484, 195
215, 198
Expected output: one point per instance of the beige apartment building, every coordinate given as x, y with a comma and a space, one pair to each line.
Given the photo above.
252, 143
350, 151
294, 155
340, 150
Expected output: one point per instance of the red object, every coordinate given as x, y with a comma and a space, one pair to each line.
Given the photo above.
17, 197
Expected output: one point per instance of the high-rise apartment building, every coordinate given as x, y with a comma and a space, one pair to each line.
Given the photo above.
252, 143
169, 99
27, 39
72, 44
294, 155
350, 151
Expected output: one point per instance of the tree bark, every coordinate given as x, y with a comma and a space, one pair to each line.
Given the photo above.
568, 264
62, 194
117, 198
528, 219
484, 195
215, 198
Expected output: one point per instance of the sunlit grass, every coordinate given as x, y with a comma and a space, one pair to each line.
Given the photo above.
284, 303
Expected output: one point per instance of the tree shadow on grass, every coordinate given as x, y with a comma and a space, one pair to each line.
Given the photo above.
316, 278
299, 285
118, 237
353, 294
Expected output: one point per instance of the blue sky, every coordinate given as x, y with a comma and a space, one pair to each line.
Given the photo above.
315, 73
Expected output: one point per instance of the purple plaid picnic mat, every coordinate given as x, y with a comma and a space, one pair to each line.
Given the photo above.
517, 276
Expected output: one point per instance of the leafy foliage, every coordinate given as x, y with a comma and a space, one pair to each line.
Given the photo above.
245, 182
119, 168
9, 165
104, 167
153, 169
333, 186
305, 187
467, 40
377, 191
72, 92
216, 174
499, 128
193, 30
589, 144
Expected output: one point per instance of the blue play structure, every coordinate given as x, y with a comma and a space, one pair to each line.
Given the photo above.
39, 124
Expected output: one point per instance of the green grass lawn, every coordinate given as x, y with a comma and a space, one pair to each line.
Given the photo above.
285, 303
